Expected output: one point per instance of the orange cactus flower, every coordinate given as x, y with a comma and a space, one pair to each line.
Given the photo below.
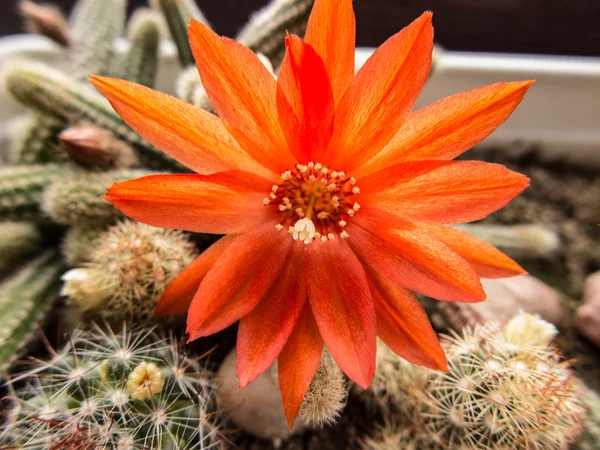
335, 198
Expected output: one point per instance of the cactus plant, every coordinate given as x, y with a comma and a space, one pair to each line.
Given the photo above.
77, 199
78, 243
140, 62
504, 388
128, 270
266, 31
21, 189
24, 300
124, 389
18, 240
590, 439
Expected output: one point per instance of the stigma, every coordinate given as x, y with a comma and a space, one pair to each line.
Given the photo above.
314, 202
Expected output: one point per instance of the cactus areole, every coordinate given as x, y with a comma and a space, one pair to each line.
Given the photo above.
335, 197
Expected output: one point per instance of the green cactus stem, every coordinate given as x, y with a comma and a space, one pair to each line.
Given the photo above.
17, 241
78, 243
37, 142
266, 31
24, 301
77, 199
94, 27
178, 14
140, 62
55, 94
21, 189
590, 439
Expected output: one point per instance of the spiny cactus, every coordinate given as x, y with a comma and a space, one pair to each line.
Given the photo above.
36, 142
25, 298
94, 27
77, 199
128, 270
18, 240
123, 389
590, 439
140, 62
326, 395
189, 88
54, 94
79, 242
266, 31
517, 240
178, 14
21, 189
504, 389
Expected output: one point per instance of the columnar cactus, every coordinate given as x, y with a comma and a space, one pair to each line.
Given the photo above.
129, 269
121, 389
24, 300
18, 240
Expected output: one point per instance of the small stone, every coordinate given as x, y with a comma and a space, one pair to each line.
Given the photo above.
587, 317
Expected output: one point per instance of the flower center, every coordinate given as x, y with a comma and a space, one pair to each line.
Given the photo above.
314, 202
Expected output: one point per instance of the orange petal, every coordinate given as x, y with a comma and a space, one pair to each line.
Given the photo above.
462, 191
239, 279
450, 126
486, 260
304, 101
264, 331
298, 363
243, 92
179, 294
414, 260
331, 31
222, 203
193, 137
341, 302
403, 325
381, 95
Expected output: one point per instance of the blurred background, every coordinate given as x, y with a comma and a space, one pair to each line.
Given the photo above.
565, 27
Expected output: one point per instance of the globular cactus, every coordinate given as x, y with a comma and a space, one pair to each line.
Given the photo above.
25, 299
77, 199
119, 389
21, 189
326, 395
178, 14
139, 63
128, 271
266, 31
505, 388
518, 241
52, 93
18, 240
79, 242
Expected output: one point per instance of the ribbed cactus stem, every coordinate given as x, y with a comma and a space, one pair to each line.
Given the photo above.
266, 31
55, 94
77, 199
21, 189
37, 142
139, 63
24, 301
590, 439
517, 240
94, 27
17, 241
178, 14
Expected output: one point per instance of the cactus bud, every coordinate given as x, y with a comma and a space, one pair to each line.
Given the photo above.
92, 146
87, 288
145, 381
46, 20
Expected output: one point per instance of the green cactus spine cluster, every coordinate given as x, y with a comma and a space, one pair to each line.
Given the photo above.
121, 389
77, 199
22, 187
25, 298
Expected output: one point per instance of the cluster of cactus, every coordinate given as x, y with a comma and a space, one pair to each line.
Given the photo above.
505, 388
71, 146
128, 389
